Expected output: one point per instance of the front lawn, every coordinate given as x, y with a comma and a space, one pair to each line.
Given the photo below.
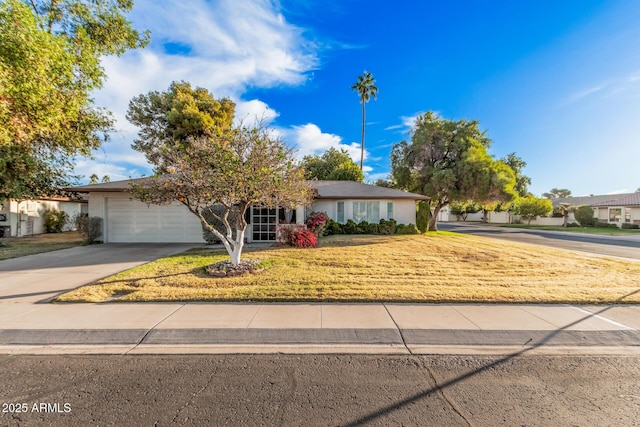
439, 267
21, 246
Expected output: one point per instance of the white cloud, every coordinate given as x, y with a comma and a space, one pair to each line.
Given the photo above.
584, 93
310, 140
406, 122
608, 88
376, 176
623, 191
116, 172
254, 111
225, 46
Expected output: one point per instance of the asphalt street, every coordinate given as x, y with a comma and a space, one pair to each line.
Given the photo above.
319, 390
616, 246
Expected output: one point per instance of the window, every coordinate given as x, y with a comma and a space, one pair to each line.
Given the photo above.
389, 210
627, 214
615, 214
264, 224
340, 217
366, 211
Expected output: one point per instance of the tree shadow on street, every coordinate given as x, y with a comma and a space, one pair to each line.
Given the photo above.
438, 388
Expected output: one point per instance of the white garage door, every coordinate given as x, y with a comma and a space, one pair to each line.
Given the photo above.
133, 221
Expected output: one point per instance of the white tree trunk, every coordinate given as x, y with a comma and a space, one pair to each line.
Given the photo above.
238, 245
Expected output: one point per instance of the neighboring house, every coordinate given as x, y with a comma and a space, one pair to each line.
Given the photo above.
26, 217
612, 208
621, 210
502, 217
126, 219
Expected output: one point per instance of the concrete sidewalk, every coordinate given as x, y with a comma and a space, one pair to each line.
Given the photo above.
166, 328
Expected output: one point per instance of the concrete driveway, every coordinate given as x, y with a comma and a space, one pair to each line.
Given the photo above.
625, 246
38, 278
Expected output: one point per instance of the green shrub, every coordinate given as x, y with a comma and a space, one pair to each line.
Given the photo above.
350, 227
55, 220
90, 228
422, 216
573, 225
373, 228
605, 225
362, 228
387, 226
406, 229
584, 215
333, 228
628, 226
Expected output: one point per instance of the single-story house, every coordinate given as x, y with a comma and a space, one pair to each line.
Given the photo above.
26, 217
126, 219
611, 208
620, 210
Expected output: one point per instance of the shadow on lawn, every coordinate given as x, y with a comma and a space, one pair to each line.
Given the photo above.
439, 388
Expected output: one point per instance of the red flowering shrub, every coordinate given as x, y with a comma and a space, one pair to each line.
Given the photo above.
303, 239
316, 222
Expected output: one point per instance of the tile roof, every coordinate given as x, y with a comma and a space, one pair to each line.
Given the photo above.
601, 200
625, 200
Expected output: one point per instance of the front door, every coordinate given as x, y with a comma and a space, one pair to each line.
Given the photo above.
264, 222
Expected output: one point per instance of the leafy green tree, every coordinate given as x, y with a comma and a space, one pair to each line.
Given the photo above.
522, 181
366, 88
564, 209
50, 55
383, 183
531, 207
234, 168
168, 119
94, 178
448, 161
584, 215
332, 165
557, 193
463, 209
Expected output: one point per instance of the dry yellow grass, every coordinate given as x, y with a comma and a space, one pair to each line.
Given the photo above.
441, 267
38, 243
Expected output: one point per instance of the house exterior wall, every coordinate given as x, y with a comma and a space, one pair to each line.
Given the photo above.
26, 217
171, 223
635, 215
445, 215
104, 204
476, 216
628, 215
125, 219
602, 214
404, 211
503, 217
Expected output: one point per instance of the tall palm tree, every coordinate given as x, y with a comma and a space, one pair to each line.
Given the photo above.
366, 88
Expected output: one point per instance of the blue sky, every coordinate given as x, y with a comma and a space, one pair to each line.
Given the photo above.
556, 82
